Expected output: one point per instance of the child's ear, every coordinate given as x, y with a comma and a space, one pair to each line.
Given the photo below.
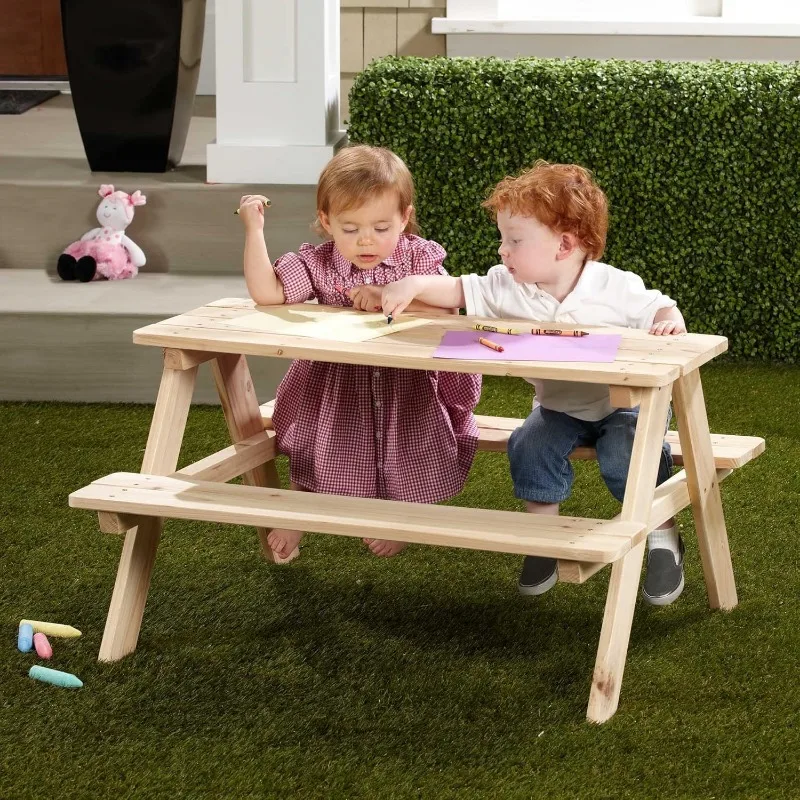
567, 246
324, 221
407, 215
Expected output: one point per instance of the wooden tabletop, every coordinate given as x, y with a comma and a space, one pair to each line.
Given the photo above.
642, 359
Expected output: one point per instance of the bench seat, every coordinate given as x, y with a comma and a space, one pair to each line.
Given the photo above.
730, 452
568, 538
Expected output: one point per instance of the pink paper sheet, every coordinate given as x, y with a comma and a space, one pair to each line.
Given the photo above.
596, 347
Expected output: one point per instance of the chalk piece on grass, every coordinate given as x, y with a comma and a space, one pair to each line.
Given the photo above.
52, 628
55, 676
25, 637
43, 649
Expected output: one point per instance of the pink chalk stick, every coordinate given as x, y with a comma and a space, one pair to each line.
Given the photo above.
43, 649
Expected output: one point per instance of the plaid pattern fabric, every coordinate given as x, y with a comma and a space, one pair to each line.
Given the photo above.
366, 431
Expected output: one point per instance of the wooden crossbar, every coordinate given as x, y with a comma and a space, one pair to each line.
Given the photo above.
566, 538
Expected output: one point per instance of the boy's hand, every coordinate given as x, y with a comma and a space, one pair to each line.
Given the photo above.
396, 296
366, 297
251, 211
666, 327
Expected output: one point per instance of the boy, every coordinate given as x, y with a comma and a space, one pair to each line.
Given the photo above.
553, 221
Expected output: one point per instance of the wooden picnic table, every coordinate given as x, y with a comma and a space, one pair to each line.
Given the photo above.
648, 372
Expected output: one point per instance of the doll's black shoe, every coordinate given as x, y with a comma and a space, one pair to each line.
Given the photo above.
85, 269
66, 267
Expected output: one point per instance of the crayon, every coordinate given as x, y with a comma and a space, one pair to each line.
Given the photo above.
492, 329
556, 332
43, 649
493, 345
52, 628
55, 676
25, 637
266, 204
389, 319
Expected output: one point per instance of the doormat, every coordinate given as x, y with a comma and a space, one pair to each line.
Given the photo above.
17, 101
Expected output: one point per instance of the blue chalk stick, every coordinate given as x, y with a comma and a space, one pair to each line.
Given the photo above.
54, 676
25, 638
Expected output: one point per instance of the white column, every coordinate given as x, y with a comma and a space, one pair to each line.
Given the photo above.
277, 77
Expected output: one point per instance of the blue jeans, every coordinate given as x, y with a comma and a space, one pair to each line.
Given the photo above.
538, 453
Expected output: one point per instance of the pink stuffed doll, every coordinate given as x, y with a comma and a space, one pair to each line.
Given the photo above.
105, 252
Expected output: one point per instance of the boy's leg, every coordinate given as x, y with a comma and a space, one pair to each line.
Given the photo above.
664, 578
538, 453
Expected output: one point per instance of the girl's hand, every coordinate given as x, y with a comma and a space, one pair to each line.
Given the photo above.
251, 211
366, 297
396, 296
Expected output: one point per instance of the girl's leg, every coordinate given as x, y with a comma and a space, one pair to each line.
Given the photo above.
385, 548
283, 541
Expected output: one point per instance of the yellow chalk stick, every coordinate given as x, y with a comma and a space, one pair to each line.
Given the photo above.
52, 629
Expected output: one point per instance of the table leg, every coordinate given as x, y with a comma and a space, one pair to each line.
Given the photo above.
701, 478
139, 551
240, 406
612, 649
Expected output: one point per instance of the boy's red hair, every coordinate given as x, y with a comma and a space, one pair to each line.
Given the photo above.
564, 197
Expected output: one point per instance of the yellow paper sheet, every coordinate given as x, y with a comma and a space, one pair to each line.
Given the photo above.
340, 326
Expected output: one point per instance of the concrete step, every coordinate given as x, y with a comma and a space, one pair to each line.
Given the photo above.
73, 341
48, 199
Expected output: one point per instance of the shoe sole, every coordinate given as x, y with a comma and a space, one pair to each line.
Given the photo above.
664, 599
540, 588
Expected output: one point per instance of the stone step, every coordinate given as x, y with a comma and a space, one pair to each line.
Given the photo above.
73, 341
48, 199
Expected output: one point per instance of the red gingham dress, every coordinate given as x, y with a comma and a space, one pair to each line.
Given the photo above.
395, 434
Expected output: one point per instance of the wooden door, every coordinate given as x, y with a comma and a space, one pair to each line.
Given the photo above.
31, 44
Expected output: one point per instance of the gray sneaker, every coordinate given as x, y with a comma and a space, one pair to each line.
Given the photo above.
538, 575
664, 580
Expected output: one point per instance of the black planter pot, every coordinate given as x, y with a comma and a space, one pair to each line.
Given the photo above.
133, 67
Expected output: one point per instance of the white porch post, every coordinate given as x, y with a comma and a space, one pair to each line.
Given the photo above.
277, 76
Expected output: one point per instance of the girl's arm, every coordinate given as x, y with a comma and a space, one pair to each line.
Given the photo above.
439, 291
668, 320
263, 284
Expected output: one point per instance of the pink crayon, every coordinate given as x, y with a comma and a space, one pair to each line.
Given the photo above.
43, 649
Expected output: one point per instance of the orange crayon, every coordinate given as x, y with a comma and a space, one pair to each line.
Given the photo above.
489, 343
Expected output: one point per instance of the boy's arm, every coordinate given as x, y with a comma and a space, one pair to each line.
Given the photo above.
263, 284
439, 291
667, 321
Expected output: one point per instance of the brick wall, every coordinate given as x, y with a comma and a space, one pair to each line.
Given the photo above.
378, 28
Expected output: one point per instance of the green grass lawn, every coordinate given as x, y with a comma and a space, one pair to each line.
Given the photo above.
425, 676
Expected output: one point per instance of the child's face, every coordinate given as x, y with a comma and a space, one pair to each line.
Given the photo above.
367, 235
532, 252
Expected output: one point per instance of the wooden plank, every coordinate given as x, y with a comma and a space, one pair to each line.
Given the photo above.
450, 526
612, 649
578, 571
185, 359
380, 33
116, 523
624, 396
128, 599
412, 349
243, 417
730, 451
233, 461
703, 486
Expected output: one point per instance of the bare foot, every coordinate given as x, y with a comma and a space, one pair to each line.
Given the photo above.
283, 542
384, 548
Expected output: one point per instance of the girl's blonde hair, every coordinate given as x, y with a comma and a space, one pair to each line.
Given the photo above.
357, 174
564, 197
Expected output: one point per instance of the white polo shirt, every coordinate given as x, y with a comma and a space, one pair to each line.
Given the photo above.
603, 295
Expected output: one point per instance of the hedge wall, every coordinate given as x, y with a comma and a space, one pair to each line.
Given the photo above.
699, 160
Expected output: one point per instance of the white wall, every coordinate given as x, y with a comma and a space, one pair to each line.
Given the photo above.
206, 83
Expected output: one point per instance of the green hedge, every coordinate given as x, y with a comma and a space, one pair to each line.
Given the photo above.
699, 161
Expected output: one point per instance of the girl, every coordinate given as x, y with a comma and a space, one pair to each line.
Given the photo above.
349, 429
